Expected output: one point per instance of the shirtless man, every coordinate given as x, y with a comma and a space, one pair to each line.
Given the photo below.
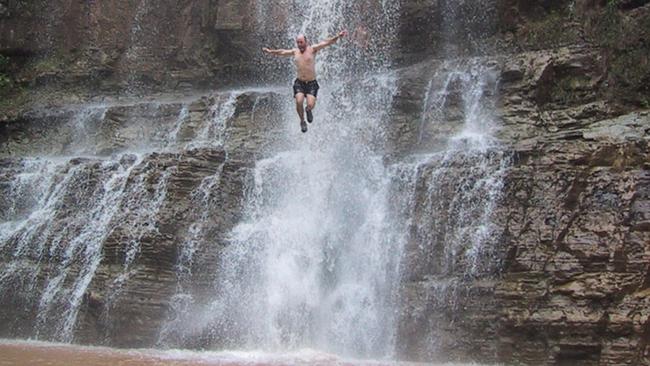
305, 85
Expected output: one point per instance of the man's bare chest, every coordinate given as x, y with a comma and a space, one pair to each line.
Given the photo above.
306, 58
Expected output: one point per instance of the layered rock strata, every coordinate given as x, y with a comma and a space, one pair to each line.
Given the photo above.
566, 279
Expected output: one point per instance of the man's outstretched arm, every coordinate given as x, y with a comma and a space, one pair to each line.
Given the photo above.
328, 42
278, 52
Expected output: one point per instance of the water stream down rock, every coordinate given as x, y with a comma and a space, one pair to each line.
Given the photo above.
475, 186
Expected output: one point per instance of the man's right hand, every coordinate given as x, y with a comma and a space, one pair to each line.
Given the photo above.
266, 50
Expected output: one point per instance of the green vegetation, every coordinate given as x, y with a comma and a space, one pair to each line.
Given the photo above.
645, 103
631, 66
15, 99
12, 96
5, 80
550, 31
47, 65
570, 89
611, 26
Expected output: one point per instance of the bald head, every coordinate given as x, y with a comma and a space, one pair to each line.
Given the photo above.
301, 42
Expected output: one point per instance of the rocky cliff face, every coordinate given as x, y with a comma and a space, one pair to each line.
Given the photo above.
84, 49
571, 281
571, 287
563, 280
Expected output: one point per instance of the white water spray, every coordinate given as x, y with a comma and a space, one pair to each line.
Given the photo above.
317, 258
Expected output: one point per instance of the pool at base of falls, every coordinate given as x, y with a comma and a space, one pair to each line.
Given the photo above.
33, 353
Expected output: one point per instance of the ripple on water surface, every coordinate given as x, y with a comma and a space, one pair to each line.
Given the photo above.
52, 354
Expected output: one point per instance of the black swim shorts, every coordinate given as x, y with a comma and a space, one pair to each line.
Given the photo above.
305, 87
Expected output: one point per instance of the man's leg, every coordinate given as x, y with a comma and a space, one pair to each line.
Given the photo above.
311, 104
300, 100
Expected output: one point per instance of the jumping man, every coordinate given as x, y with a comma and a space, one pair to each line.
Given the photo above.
305, 85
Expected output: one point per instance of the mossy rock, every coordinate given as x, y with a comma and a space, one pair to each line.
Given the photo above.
630, 72
13, 102
554, 30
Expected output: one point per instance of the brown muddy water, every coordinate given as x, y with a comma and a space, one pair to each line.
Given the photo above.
28, 353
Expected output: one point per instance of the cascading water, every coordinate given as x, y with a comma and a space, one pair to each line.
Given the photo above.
454, 240
315, 262
68, 206
462, 182
331, 223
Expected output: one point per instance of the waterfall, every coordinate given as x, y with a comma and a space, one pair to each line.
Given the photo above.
70, 248
453, 251
463, 181
91, 194
315, 261
332, 229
